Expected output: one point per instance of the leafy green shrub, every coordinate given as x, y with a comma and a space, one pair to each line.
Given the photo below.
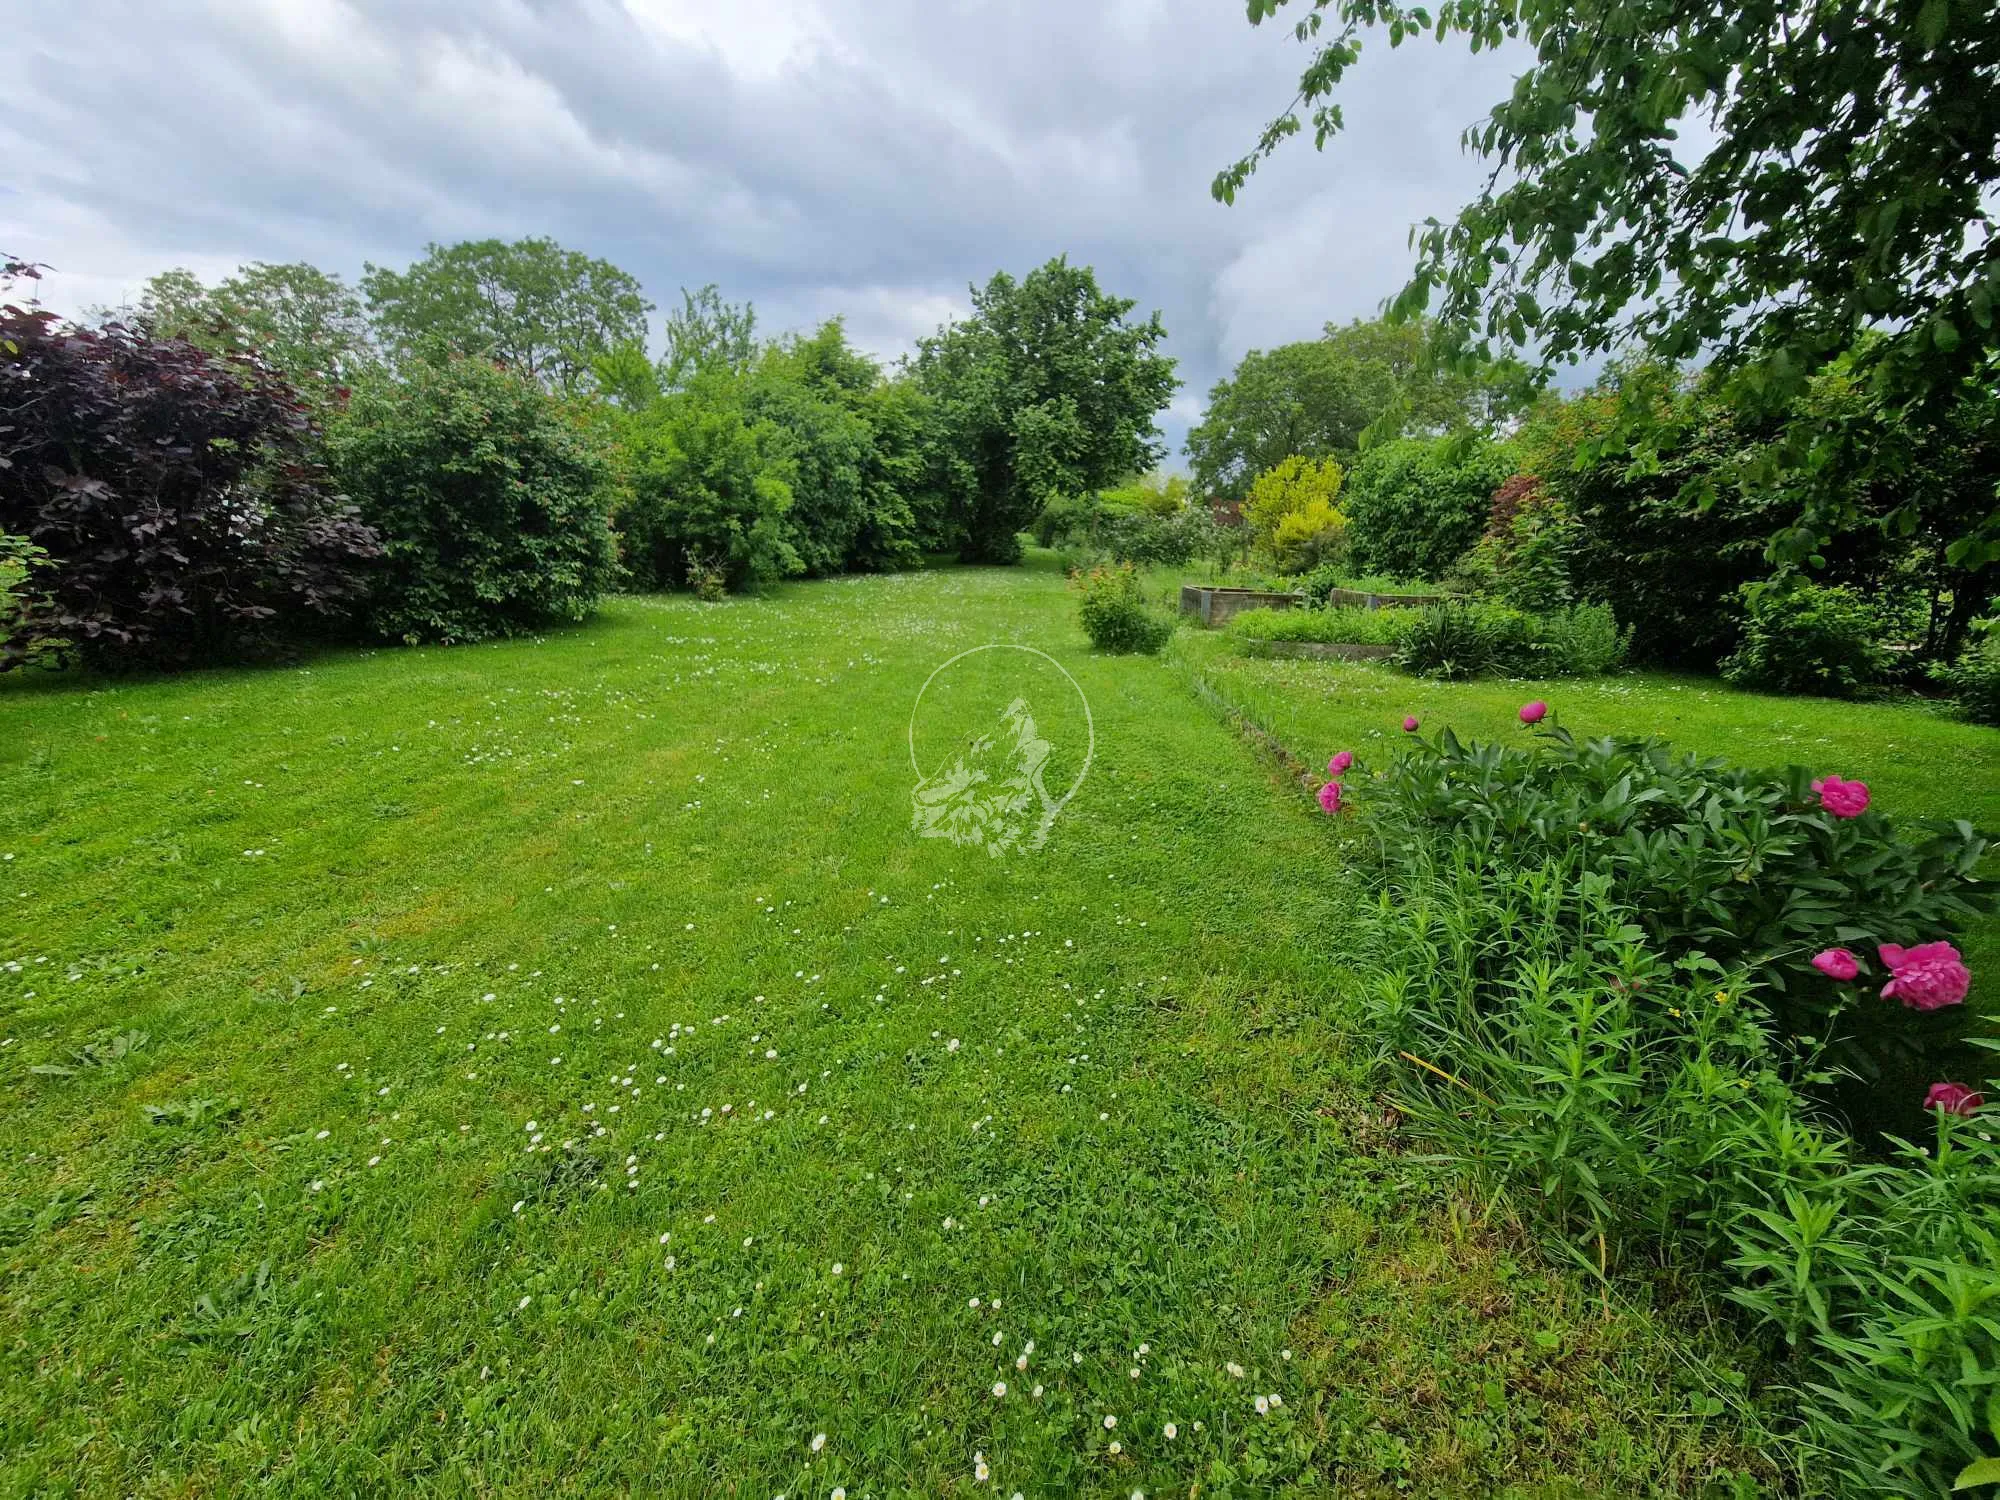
1134, 525
1759, 872
1974, 679
705, 485
1581, 641
19, 558
489, 498
1366, 627
1115, 614
1417, 504
1455, 641
1803, 638
1523, 558
1293, 514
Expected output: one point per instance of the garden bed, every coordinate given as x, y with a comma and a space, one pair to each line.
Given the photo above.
1213, 606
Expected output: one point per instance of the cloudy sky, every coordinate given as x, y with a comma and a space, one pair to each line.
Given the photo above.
865, 157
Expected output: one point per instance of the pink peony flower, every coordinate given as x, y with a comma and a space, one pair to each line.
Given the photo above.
1329, 797
1340, 763
1929, 976
1844, 799
1410, 723
1533, 713
1837, 963
1953, 1099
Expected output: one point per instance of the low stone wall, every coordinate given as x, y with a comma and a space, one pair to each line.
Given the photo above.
1355, 599
1213, 607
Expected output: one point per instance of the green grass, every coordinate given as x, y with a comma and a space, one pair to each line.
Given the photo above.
295, 1231
1918, 762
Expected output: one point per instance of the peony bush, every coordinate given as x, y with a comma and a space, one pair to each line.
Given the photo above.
1685, 1014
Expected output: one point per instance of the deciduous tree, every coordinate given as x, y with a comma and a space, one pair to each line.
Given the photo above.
546, 311
1048, 389
1847, 184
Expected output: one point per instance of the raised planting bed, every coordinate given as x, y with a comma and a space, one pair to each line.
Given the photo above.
1213, 607
1356, 599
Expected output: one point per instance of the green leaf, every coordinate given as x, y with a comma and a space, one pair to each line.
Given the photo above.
1979, 1471
1932, 21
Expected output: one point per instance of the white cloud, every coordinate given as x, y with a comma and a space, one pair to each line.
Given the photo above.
866, 157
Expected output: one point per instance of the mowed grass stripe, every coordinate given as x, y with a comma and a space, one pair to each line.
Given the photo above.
1147, 1090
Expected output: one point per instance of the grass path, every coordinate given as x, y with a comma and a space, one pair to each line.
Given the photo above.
853, 1116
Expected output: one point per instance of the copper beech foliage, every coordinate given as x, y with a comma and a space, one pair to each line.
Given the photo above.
175, 493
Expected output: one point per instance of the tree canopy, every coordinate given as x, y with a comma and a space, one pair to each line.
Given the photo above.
1849, 187
1047, 389
299, 319
546, 311
1316, 399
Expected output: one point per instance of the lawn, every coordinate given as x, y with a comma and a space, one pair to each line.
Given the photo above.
558, 1067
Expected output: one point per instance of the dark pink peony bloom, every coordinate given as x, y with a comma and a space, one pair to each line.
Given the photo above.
1929, 976
1844, 799
1340, 763
1410, 723
1534, 713
1953, 1099
1329, 797
1837, 963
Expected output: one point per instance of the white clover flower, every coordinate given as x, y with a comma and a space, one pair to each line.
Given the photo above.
1235, 1370
818, 1442
1109, 1421
1172, 1431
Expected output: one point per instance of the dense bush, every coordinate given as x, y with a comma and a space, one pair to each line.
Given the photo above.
1460, 640
1366, 627
1523, 557
1759, 872
1802, 638
176, 495
1294, 517
1974, 679
490, 500
850, 443
1644, 1108
1115, 613
1463, 639
704, 488
1672, 570
1125, 528
19, 558
1581, 641
1417, 504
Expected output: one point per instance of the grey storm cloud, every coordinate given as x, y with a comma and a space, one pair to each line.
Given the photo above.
864, 157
